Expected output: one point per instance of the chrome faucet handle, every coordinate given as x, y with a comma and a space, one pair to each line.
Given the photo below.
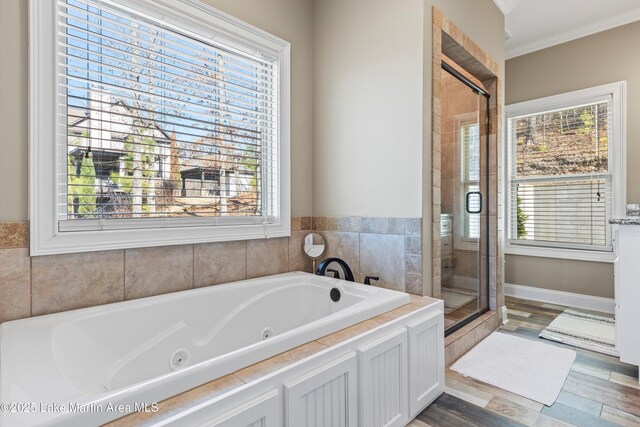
368, 279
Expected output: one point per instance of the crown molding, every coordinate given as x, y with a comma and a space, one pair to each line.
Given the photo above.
575, 33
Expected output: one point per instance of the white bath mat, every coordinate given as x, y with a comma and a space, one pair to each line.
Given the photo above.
532, 369
453, 300
584, 330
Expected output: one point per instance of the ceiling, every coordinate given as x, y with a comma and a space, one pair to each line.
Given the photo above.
532, 25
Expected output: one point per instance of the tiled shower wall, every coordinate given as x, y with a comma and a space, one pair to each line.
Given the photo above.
49, 284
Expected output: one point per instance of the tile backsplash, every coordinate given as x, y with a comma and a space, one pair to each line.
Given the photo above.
387, 247
32, 286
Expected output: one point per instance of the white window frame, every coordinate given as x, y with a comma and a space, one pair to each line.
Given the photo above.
191, 16
617, 93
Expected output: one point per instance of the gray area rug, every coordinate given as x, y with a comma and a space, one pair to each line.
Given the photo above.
584, 330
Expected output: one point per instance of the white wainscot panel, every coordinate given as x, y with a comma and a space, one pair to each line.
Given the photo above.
426, 361
383, 381
325, 397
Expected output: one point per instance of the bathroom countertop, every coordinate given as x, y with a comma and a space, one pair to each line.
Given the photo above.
204, 392
627, 220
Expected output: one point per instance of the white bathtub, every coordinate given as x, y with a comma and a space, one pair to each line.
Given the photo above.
146, 350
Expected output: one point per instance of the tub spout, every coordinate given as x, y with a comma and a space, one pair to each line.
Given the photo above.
322, 268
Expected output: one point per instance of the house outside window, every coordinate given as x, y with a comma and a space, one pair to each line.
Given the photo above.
171, 125
565, 173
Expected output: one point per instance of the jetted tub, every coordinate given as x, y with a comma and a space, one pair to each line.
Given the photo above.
75, 366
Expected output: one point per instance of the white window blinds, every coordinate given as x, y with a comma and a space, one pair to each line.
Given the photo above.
157, 122
470, 137
561, 178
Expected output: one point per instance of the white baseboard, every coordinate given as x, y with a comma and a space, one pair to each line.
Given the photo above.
504, 315
587, 302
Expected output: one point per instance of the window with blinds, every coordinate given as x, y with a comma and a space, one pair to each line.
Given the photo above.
470, 137
561, 177
159, 122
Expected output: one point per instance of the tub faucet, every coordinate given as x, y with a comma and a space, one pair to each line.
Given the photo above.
368, 279
322, 268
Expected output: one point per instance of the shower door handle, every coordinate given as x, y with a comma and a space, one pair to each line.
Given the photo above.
468, 202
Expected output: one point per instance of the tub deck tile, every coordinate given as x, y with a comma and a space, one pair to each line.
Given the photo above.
398, 312
421, 301
180, 402
350, 332
260, 369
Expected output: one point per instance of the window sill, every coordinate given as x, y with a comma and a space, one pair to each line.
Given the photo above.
557, 253
50, 242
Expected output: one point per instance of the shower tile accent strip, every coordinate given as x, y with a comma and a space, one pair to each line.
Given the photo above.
55, 283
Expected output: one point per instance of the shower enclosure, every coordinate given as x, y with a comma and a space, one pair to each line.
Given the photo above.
465, 171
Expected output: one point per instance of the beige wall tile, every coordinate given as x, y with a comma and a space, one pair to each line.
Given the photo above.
319, 222
413, 263
71, 281
296, 223
298, 260
383, 255
14, 235
356, 224
159, 270
413, 283
332, 223
413, 245
305, 223
215, 263
396, 226
413, 227
345, 246
368, 225
381, 225
15, 284
267, 256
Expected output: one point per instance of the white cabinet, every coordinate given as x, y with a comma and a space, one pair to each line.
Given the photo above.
325, 397
384, 381
627, 293
426, 361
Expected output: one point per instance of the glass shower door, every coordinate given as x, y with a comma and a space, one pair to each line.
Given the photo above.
464, 175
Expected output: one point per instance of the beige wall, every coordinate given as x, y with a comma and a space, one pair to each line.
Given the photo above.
372, 74
601, 58
288, 19
580, 277
13, 110
367, 107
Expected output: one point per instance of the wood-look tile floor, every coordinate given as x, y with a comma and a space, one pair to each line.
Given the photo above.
600, 390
